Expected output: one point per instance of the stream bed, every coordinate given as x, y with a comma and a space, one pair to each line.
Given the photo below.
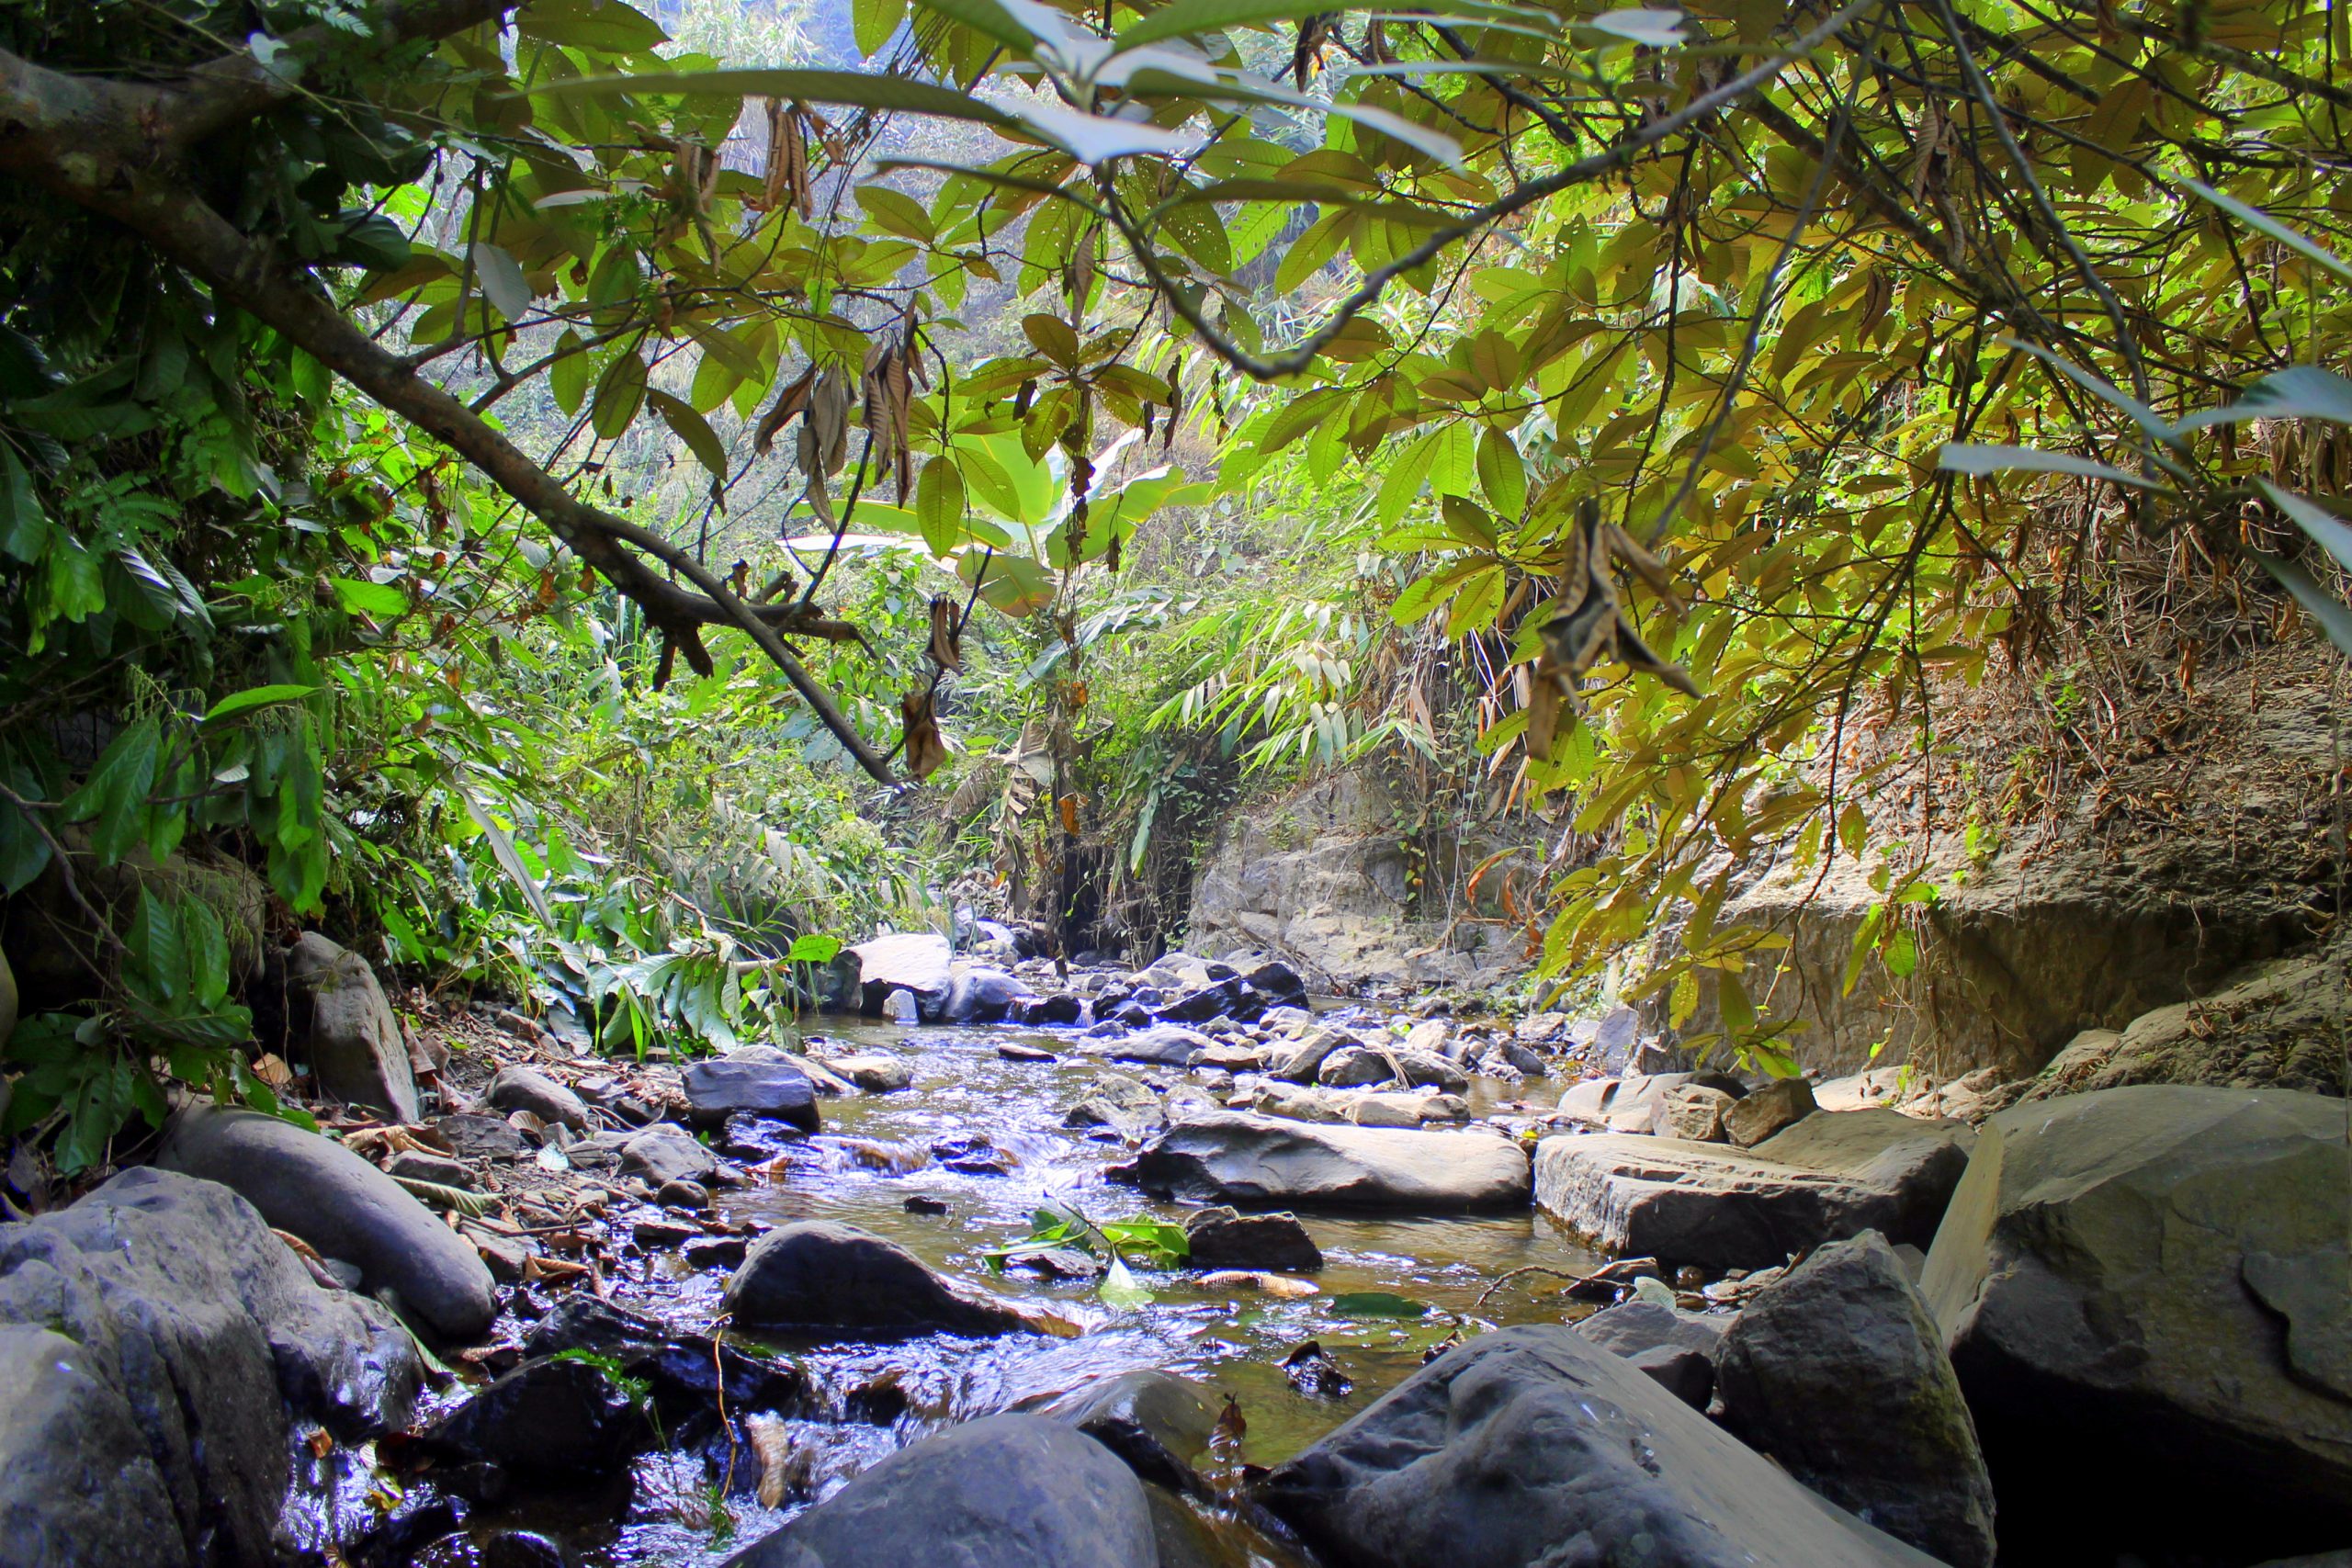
875, 1152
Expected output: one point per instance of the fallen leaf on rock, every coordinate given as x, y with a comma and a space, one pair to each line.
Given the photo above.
785, 1467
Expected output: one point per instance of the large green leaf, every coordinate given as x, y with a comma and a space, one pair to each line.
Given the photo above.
2327, 529
2300, 392
2254, 218
1967, 457
253, 698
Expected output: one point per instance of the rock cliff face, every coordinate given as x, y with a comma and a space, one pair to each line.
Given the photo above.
1327, 880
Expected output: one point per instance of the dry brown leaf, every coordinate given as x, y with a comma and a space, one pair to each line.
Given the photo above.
947, 634
784, 1468
924, 749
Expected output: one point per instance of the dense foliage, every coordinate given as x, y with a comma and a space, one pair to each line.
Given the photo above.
1120, 397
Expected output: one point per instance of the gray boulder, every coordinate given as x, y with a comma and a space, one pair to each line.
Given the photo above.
527, 1088
1632, 1104
664, 1152
1220, 1238
1157, 1422
754, 1080
1007, 1491
981, 994
1266, 1162
1362, 1066
1535, 1446
1167, 1044
155, 1343
1691, 1111
553, 1419
1676, 1348
819, 1276
77, 1483
2145, 1294
918, 963
338, 1020
1297, 1061
1360, 1107
314, 1188
1839, 1173
1760, 1113
1837, 1370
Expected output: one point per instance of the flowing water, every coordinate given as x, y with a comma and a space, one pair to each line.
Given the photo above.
875, 1152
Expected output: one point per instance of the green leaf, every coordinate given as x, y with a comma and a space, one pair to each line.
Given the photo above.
2143, 417
605, 25
939, 506
873, 21
238, 703
568, 376
2330, 532
851, 87
152, 940
24, 527
501, 281
1967, 457
502, 849
692, 429
1502, 475
620, 392
2253, 218
379, 601
1377, 1303
115, 792
1120, 1288
813, 947
1656, 29
2324, 607
1731, 998
2300, 392
897, 212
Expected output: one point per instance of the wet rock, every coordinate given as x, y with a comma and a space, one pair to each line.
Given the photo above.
1012, 1052
506, 1257
664, 1152
754, 1080
815, 1275
1310, 1370
316, 1189
337, 1020
1225, 998
1278, 983
1156, 1423
982, 995
153, 1339
1168, 1044
552, 1420
1282, 1018
681, 1193
2145, 1296
686, 1372
1597, 1462
1675, 1348
1362, 1066
1047, 1013
1006, 1492
923, 1206
1837, 1370
527, 1088
969, 1155
1691, 1111
1724, 1207
1301, 1059
481, 1137
1361, 1108
1266, 1162
1229, 1059
918, 963
1761, 1113
1222, 1238
875, 1073
77, 1483
900, 1007
523, 1548
415, 1165
1116, 1122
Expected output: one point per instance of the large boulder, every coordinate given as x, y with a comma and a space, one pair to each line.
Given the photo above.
1364, 1065
1837, 1370
156, 1346
1166, 1044
1359, 1107
338, 1020
1007, 1491
818, 1275
2146, 1298
1533, 1445
1155, 1421
2276, 1024
981, 995
1267, 1161
554, 1419
1221, 1238
77, 1483
1833, 1175
918, 963
756, 1080
316, 1189
1634, 1105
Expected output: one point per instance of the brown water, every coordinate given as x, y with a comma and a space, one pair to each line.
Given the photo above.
873, 1155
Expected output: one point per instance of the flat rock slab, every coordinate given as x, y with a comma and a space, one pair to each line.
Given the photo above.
1165, 1045
2146, 1299
1268, 1162
1535, 1446
314, 1188
1006, 1492
1718, 1207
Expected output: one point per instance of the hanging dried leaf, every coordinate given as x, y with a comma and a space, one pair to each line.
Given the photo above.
946, 635
789, 402
924, 749
1067, 806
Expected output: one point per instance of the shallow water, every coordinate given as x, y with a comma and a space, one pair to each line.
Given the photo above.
873, 1154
